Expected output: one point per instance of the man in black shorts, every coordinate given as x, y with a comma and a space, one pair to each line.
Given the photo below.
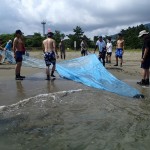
145, 60
50, 54
17, 47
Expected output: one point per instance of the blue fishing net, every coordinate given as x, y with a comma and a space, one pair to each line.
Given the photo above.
87, 70
90, 71
9, 57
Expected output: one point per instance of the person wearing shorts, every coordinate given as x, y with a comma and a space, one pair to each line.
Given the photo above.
50, 58
50, 55
145, 60
17, 48
119, 50
102, 49
109, 50
83, 45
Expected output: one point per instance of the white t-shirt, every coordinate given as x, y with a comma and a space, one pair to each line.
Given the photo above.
109, 47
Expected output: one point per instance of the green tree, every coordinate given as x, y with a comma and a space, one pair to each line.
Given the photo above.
58, 36
77, 36
6, 37
131, 36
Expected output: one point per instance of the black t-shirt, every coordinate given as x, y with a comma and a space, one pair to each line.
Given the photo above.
146, 45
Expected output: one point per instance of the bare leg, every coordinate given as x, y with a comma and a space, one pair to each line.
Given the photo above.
147, 77
18, 68
107, 58
147, 73
121, 61
48, 72
53, 69
64, 56
0, 58
116, 62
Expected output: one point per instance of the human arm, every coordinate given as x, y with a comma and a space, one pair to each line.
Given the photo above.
15, 46
43, 48
95, 48
1, 48
145, 54
123, 47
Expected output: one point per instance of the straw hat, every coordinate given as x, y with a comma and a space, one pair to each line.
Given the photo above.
143, 32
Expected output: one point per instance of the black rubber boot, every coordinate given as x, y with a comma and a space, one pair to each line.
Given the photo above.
142, 82
52, 74
18, 77
48, 77
116, 65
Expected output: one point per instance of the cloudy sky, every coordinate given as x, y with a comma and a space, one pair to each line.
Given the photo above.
95, 17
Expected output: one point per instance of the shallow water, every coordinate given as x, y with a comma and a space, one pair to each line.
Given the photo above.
87, 119
71, 116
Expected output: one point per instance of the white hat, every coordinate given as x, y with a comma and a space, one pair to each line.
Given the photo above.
143, 32
10, 41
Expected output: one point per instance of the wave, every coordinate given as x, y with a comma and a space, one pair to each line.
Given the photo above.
37, 98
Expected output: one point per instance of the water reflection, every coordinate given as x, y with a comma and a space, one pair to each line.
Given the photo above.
20, 89
51, 85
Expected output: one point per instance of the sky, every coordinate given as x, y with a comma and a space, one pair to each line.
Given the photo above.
95, 17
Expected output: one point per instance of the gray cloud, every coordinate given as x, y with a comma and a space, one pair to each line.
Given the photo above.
95, 17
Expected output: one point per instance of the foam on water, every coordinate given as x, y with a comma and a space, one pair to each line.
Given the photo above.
76, 119
38, 98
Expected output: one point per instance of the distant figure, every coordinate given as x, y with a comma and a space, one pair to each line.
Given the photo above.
83, 45
1, 49
119, 49
8, 45
62, 49
102, 49
109, 50
8, 55
50, 54
18, 48
145, 60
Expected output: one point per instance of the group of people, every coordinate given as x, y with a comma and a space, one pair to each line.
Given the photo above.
105, 50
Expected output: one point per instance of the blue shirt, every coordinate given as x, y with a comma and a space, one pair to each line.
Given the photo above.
8, 46
101, 45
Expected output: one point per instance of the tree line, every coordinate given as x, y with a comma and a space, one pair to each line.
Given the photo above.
35, 41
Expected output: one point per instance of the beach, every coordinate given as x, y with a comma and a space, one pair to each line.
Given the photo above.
35, 77
63, 114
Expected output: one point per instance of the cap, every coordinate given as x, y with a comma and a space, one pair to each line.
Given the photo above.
50, 34
18, 32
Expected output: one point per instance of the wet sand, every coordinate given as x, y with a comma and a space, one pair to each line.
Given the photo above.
12, 91
87, 119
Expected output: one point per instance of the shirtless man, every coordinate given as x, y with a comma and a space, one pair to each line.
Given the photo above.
17, 48
50, 53
119, 50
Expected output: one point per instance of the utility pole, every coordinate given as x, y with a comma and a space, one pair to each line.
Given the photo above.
43, 23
